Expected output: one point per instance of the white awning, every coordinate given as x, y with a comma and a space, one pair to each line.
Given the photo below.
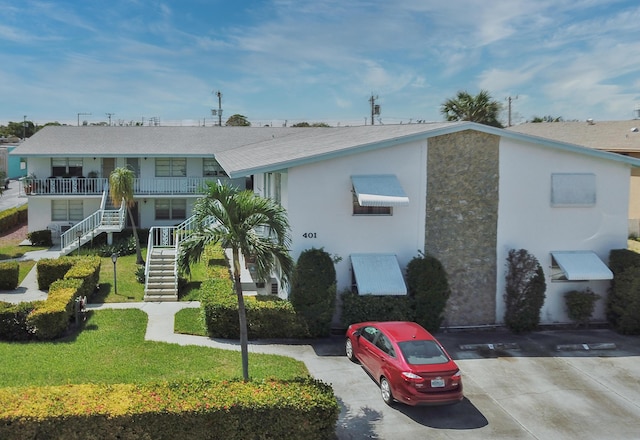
378, 274
379, 190
581, 265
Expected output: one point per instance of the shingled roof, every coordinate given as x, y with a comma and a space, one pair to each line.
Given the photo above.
616, 136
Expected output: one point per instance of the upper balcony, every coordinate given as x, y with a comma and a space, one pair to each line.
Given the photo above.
87, 186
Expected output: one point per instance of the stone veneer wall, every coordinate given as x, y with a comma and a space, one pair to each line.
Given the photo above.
462, 221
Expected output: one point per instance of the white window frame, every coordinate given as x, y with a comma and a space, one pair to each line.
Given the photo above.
171, 167
67, 210
176, 209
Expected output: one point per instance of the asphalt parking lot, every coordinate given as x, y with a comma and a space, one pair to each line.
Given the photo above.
560, 384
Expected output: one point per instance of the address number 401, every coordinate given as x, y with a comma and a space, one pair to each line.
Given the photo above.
310, 235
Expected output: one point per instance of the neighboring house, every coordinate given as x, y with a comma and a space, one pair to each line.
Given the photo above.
622, 137
375, 196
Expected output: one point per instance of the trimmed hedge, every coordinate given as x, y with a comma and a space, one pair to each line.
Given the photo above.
50, 319
428, 285
303, 408
268, 317
52, 269
360, 308
9, 275
10, 218
40, 238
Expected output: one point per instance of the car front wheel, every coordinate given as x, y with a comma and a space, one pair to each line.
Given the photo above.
385, 391
348, 348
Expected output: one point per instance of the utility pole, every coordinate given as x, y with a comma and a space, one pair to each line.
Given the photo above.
79, 117
375, 108
24, 128
109, 116
218, 112
509, 99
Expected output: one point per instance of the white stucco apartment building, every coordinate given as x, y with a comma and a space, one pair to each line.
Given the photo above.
376, 196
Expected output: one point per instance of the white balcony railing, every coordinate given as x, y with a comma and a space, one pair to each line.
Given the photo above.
94, 186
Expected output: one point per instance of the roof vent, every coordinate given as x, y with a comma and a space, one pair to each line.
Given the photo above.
590, 121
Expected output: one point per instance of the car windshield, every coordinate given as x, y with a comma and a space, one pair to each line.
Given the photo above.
422, 352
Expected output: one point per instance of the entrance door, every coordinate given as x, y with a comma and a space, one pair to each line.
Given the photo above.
108, 165
136, 216
133, 163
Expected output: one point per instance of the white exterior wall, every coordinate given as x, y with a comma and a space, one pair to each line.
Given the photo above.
528, 221
318, 199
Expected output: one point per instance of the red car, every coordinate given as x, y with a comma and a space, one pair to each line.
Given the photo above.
406, 361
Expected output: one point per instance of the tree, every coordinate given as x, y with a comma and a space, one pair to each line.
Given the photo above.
315, 124
524, 291
238, 121
234, 219
480, 108
547, 118
121, 189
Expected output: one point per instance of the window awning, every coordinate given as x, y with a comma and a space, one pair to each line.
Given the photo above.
379, 190
581, 265
378, 274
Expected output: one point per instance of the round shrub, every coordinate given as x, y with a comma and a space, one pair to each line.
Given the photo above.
580, 305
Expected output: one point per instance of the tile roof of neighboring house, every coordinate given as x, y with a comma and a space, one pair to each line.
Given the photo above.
71, 141
615, 136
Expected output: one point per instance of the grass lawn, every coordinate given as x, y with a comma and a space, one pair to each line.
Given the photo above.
189, 322
111, 349
12, 249
129, 289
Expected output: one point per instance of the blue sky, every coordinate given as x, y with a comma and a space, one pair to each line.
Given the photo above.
315, 61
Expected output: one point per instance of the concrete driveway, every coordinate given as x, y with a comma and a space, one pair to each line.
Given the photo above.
559, 384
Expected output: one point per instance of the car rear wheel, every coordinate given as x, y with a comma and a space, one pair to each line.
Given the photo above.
348, 348
385, 391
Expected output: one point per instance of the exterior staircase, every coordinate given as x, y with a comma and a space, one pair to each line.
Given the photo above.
161, 281
105, 219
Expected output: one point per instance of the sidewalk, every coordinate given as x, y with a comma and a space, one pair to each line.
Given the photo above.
28, 289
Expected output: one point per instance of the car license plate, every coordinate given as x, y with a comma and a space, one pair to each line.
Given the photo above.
437, 383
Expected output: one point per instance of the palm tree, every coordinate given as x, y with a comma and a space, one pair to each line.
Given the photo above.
121, 188
465, 107
234, 219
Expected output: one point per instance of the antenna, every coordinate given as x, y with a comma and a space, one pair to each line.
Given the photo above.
79, 117
375, 108
219, 111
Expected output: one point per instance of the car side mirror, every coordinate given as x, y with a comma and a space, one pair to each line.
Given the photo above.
357, 333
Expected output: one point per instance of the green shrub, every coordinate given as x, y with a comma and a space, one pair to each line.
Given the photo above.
52, 269
295, 409
525, 291
623, 301
9, 275
429, 288
50, 319
12, 217
313, 290
40, 238
13, 320
87, 269
360, 308
123, 246
580, 305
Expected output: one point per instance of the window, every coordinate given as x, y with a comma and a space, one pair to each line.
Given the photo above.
573, 189
171, 209
67, 210
369, 333
211, 168
370, 210
384, 344
66, 167
176, 167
